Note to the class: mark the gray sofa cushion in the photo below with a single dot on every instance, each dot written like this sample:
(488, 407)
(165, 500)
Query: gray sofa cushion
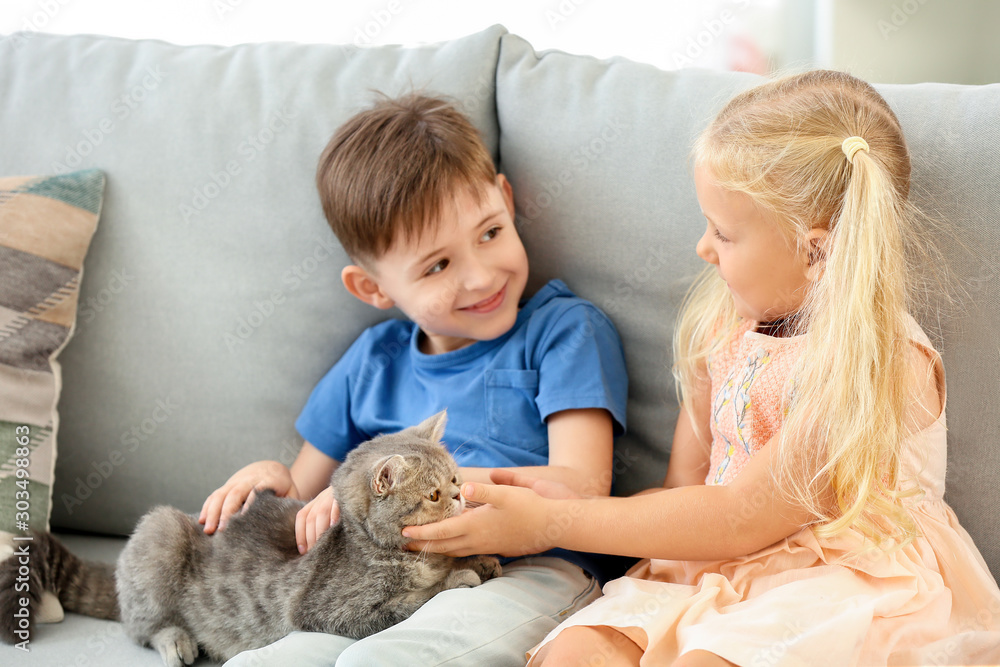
(212, 300)
(597, 153)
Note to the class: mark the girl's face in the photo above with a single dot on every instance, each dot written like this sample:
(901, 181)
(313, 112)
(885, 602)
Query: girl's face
(767, 275)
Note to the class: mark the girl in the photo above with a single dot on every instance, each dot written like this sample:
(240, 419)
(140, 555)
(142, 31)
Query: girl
(802, 519)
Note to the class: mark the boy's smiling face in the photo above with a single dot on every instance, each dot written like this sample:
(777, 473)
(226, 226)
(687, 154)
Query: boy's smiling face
(462, 280)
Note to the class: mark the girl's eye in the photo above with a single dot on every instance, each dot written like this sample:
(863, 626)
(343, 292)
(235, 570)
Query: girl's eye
(437, 268)
(434, 496)
(719, 236)
(490, 234)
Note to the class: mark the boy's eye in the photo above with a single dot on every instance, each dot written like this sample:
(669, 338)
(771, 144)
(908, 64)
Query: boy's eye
(437, 268)
(719, 236)
(434, 496)
(490, 234)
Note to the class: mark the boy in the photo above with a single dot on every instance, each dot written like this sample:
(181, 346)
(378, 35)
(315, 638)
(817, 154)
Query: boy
(414, 198)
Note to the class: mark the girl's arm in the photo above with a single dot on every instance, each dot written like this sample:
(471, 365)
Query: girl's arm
(686, 521)
(581, 447)
(691, 449)
(695, 522)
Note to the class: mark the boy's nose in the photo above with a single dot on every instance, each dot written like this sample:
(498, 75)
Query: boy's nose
(477, 276)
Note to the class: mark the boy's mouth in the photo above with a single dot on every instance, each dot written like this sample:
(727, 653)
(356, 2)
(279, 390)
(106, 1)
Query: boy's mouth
(489, 304)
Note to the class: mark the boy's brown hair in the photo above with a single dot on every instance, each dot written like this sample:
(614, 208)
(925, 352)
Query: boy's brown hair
(387, 171)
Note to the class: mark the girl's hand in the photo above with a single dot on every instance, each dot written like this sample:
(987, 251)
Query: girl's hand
(543, 487)
(228, 499)
(316, 517)
(513, 521)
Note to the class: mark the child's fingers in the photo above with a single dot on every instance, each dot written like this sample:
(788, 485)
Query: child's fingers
(320, 525)
(510, 477)
(447, 529)
(211, 511)
(232, 504)
(310, 532)
(334, 513)
(492, 494)
(301, 517)
(455, 547)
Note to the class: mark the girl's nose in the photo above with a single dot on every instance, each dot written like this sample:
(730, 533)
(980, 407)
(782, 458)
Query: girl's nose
(705, 249)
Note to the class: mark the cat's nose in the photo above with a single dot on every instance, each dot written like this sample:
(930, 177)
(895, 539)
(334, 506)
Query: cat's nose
(457, 496)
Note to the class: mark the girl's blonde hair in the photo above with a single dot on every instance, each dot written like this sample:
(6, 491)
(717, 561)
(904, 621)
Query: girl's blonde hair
(781, 144)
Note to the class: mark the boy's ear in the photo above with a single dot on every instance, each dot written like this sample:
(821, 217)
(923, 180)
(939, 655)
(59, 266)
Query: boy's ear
(508, 193)
(362, 285)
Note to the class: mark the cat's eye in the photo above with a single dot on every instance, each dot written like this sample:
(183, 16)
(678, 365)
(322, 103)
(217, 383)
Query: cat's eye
(434, 496)
(454, 480)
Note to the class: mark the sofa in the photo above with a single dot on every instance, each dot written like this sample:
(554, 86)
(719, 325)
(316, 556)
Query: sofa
(210, 301)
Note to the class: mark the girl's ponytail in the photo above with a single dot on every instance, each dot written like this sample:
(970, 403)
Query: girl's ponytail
(855, 367)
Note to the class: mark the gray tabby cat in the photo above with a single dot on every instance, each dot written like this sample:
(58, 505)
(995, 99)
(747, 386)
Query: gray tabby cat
(247, 586)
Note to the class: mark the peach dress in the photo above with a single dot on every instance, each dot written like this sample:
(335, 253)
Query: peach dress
(808, 600)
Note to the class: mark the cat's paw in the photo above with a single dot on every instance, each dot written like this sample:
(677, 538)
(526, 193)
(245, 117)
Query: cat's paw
(462, 579)
(175, 646)
(487, 567)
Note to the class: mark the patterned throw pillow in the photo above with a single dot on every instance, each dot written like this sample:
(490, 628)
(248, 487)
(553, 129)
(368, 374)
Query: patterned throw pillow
(46, 223)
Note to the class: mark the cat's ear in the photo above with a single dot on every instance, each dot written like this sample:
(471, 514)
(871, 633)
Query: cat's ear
(432, 428)
(387, 473)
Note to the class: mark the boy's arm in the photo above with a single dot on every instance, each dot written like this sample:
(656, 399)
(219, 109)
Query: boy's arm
(311, 471)
(580, 453)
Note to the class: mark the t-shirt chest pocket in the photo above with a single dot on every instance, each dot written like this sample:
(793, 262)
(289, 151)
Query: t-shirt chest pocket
(511, 412)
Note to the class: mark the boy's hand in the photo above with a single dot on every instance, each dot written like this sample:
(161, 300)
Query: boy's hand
(228, 499)
(315, 518)
(513, 521)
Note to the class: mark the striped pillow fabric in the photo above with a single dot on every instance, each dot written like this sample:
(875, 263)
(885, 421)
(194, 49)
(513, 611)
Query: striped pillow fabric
(46, 223)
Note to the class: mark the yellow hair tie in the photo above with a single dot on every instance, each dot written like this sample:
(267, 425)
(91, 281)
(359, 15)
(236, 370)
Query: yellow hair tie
(852, 145)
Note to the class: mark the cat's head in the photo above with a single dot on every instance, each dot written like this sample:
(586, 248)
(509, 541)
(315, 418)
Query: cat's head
(400, 479)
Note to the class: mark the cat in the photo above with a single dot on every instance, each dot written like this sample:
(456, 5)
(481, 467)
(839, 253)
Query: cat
(248, 586)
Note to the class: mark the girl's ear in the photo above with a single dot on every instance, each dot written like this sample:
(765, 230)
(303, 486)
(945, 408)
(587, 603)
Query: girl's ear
(814, 248)
(363, 285)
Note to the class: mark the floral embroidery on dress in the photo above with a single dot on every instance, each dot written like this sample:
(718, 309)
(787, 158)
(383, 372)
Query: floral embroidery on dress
(736, 392)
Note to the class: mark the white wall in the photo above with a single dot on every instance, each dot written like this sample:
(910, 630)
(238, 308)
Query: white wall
(668, 33)
(882, 40)
(909, 41)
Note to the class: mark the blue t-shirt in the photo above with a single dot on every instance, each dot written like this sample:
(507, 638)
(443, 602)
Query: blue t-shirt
(561, 354)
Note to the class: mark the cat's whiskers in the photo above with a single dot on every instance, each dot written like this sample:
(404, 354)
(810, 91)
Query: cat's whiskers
(423, 553)
(458, 449)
